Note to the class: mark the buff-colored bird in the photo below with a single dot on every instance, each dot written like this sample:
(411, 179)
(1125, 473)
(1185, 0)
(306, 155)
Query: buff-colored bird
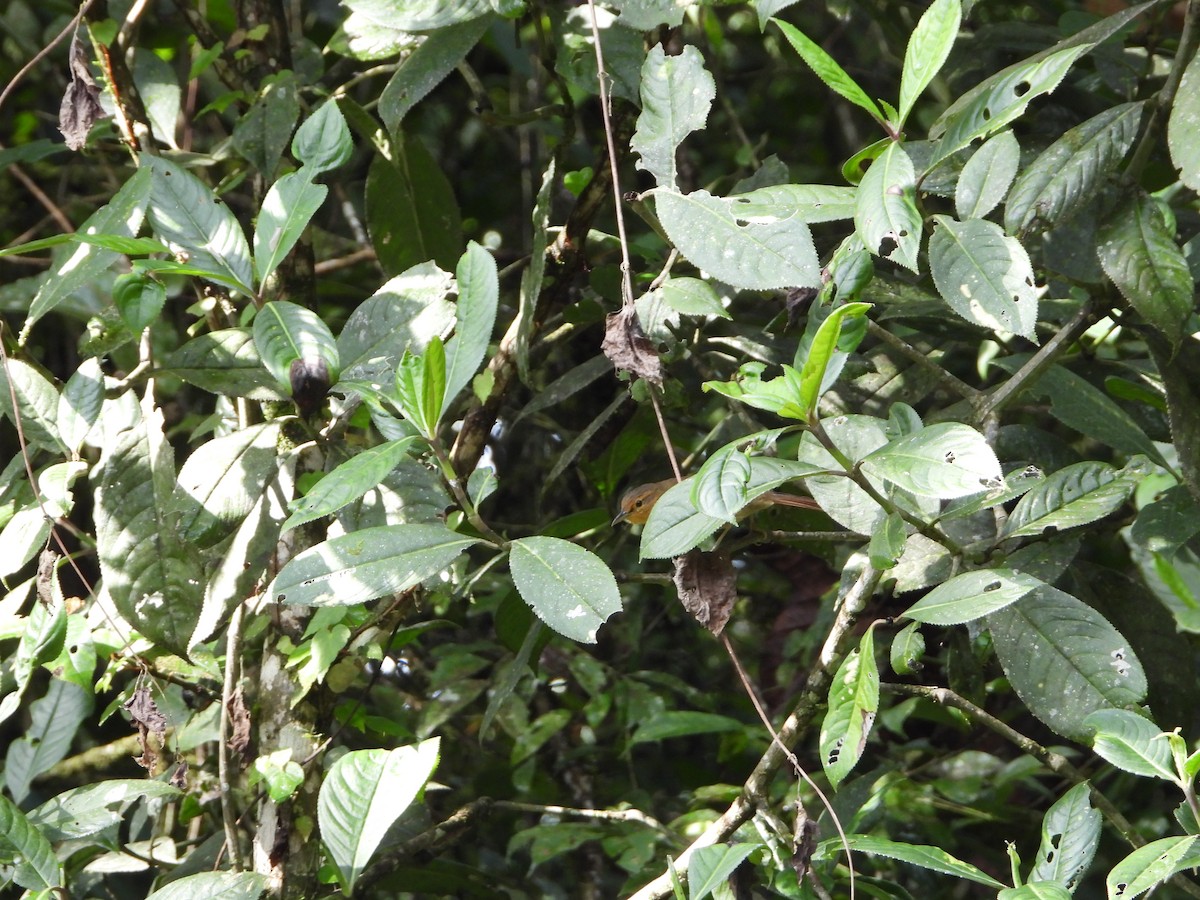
(637, 502)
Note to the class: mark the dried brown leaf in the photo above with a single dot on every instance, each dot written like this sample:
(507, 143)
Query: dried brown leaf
(628, 347)
(239, 719)
(707, 586)
(80, 106)
(144, 711)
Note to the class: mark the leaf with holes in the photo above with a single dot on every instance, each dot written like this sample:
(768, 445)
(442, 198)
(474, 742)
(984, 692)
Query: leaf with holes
(571, 589)
(811, 203)
(984, 275)
(1076, 495)
(947, 460)
(1151, 865)
(710, 233)
(853, 703)
(885, 212)
(971, 596)
(677, 93)
(1070, 835)
(1064, 660)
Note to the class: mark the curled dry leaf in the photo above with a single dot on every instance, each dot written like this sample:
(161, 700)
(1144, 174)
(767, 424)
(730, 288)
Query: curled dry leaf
(239, 720)
(707, 587)
(628, 347)
(179, 778)
(81, 103)
(145, 713)
(804, 842)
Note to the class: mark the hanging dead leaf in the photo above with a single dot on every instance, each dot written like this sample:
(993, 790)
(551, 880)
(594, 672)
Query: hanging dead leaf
(179, 778)
(80, 106)
(707, 587)
(239, 720)
(148, 719)
(47, 577)
(310, 384)
(628, 347)
(804, 842)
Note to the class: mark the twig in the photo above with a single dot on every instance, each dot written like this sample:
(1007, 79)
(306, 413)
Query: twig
(610, 815)
(60, 218)
(326, 266)
(233, 656)
(44, 52)
(911, 353)
(811, 699)
(666, 435)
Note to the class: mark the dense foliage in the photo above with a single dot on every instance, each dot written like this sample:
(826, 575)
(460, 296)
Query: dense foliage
(335, 334)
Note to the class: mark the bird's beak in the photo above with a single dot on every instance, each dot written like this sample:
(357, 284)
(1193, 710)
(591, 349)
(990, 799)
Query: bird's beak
(617, 519)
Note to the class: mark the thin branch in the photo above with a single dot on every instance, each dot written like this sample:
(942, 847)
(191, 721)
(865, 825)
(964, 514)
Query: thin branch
(233, 656)
(923, 362)
(44, 52)
(608, 815)
(666, 435)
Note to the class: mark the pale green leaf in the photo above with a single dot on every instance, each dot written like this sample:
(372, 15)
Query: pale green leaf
(885, 211)
(1132, 743)
(933, 858)
(475, 317)
(571, 589)
(682, 723)
(285, 332)
(811, 203)
(710, 867)
(853, 703)
(677, 93)
(323, 142)
(825, 68)
(226, 885)
(1184, 125)
(363, 794)
(419, 15)
(348, 482)
(947, 460)
(37, 400)
(363, 565)
(47, 737)
(1070, 835)
(287, 209)
(986, 177)
(927, 51)
(907, 650)
(971, 595)
(85, 811)
(224, 362)
(1150, 865)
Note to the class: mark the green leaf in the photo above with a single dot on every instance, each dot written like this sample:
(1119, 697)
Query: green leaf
(186, 216)
(80, 403)
(323, 142)
(1167, 523)
(403, 315)
(426, 67)
(221, 481)
(1066, 177)
(1076, 495)
(139, 299)
(37, 400)
(1070, 835)
(908, 647)
(675, 526)
(368, 563)
(47, 737)
(933, 858)
(885, 210)
(475, 317)
(984, 275)
(41, 640)
(348, 482)
(682, 723)
(1064, 660)
(927, 51)
(121, 216)
(1150, 865)
(853, 703)
(226, 885)
(262, 134)
(887, 543)
(710, 867)
(677, 93)
(710, 233)
(533, 276)
(150, 570)
(825, 68)
(1132, 743)
(1000, 99)
(1183, 125)
(782, 395)
(571, 589)
(1138, 252)
(363, 794)
(811, 203)
(947, 460)
(86, 811)
(287, 209)
(285, 332)
(160, 94)
(35, 867)
(420, 15)
(971, 595)
(692, 297)
(412, 215)
(730, 479)
(421, 388)
(824, 345)
(1036, 890)
(224, 362)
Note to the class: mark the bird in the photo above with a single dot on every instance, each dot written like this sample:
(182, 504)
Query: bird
(637, 502)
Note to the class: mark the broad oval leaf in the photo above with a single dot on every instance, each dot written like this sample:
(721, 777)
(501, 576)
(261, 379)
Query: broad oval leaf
(185, 215)
(85, 811)
(35, 867)
(323, 142)
(984, 275)
(853, 703)
(1138, 252)
(947, 460)
(1150, 865)
(1074, 496)
(37, 400)
(363, 794)
(1070, 835)
(675, 525)
(885, 211)
(286, 211)
(986, 177)
(677, 93)
(1132, 743)
(420, 15)
(928, 48)
(1068, 174)
(971, 596)
(1064, 660)
(226, 885)
(908, 647)
(54, 719)
(363, 565)
(709, 232)
(692, 297)
(730, 480)
(1183, 126)
(571, 589)
(285, 332)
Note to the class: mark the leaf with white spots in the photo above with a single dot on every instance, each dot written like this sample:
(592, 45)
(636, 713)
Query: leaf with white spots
(947, 460)
(853, 703)
(885, 213)
(571, 589)
(984, 275)
(677, 93)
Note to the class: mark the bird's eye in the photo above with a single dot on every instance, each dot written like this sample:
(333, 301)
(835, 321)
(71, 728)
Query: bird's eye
(639, 503)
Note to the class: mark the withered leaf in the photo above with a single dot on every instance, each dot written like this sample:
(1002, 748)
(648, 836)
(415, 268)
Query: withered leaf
(80, 106)
(707, 587)
(239, 718)
(144, 711)
(47, 574)
(804, 842)
(179, 778)
(310, 384)
(627, 346)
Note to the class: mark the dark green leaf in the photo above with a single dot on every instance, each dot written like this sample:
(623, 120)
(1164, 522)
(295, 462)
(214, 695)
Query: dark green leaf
(426, 66)
(139, 299)
(323, 142)
(263, 132)
(224, 362)
(35, 866)
(1074, 496)
(683, 723)
(571, 589)
(986, 177)
(287, 209)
